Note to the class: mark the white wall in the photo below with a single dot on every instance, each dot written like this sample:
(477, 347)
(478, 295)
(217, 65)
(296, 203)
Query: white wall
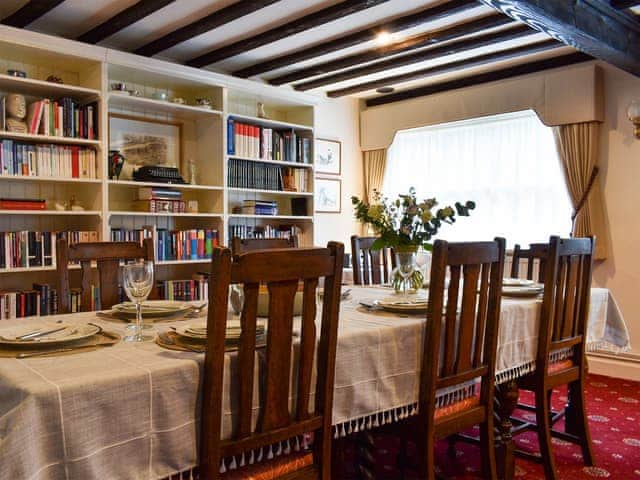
(338, 119)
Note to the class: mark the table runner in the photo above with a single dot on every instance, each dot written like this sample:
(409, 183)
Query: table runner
(131, 411)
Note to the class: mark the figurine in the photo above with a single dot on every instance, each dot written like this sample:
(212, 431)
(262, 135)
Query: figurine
(261, 112)
(54, 79)
(116, 162)
(16, 112)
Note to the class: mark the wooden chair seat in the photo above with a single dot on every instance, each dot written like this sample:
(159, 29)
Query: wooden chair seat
(560, 366)
(457, 407)
(272, 469)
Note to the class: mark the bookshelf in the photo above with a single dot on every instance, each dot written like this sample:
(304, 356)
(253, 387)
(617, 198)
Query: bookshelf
(112, 203)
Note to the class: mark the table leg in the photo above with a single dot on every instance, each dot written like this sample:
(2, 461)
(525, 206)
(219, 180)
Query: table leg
(506, 402)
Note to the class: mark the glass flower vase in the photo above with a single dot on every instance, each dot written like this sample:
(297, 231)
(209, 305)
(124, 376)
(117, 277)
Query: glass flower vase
(407, 277)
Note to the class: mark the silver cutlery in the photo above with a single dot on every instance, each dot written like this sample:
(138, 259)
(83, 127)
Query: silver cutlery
(39, 333)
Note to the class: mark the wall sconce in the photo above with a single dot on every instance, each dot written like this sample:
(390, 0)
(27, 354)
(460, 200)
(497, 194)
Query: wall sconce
(633, 112)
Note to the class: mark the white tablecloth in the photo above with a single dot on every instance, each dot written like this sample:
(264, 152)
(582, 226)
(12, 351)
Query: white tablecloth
(131, 411)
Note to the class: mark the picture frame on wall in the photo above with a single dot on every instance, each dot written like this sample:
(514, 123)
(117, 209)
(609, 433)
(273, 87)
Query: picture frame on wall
(328, 155)
(328, 194)
(143, 141)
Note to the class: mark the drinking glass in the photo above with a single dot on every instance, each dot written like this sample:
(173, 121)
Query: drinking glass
(137, 280)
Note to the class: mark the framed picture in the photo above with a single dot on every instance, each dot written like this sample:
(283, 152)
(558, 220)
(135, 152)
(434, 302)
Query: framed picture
(328, 194)
(144, 141)
(328, 156)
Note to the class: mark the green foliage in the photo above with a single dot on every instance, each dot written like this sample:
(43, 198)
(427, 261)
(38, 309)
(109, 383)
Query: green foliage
(405, 222)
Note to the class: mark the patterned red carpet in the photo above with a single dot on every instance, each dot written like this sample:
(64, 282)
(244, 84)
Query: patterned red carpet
(614, 413)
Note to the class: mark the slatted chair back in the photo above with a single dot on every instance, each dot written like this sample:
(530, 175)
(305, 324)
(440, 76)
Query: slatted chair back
(280, 270)
(535, 255)
(461, 333)
(370, 267)
(243, 245)
(107, 256)
(565, 305)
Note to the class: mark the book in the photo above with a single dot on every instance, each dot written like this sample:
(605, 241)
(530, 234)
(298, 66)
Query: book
(34, 114)
(148, 193)
(21, 204)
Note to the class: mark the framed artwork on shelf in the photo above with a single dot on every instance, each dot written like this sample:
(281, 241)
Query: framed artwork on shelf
(328, 156)
(327, 195)
(142, 141)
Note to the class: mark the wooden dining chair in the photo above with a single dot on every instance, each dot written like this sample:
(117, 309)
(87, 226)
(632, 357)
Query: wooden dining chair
(535, 255)
(107, 256)
(459, 349)
(277, 424)
(370, 267)
(560, 359)
(243, 245)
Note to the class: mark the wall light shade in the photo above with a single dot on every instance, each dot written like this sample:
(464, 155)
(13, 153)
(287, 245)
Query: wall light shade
(633, 112)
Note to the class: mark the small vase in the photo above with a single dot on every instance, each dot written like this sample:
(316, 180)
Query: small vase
(407, 276)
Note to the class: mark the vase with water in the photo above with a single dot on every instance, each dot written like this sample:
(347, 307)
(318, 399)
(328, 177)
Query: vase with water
(407, 276)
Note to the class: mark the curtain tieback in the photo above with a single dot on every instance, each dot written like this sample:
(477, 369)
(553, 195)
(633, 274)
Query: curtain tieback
(585, 195)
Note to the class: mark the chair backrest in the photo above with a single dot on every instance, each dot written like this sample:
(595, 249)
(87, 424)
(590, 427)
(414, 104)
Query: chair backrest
(243, 245)
(107, 256)
(280, 270)
(535, 254)
(460, 345)
(567, 292)
(370, 267)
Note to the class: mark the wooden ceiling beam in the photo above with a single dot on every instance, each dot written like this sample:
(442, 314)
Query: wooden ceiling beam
(123, 19)
(622, 4)
(413, 43)
(449, 48)
(592, 26)
(412, 20)
(478, 79)
(203, 25)
(30, 12)
(306, 22)
(480, 60)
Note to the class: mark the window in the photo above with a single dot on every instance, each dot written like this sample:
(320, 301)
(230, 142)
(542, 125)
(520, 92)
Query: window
(507, 164)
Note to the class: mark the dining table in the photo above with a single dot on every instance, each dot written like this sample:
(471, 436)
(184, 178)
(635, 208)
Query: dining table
(131, 410)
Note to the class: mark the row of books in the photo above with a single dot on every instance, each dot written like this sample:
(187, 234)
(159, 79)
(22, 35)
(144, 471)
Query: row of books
(196, 288)
(259, 207)
(264, 231)
(42, 300)
(26, 249)
(193, 244)
(246, 174)
(22, 204)
(64, 117)
(47, 160)
(253, 141)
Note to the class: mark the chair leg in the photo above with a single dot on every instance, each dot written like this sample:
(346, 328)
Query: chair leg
(488, 450)
(426, 459)
(544, 434)
(576, 421)
(402, 457)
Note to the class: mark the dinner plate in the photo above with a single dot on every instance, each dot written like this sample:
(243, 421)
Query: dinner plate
(153, 308)
(517, 282)
(199, 330)
(403, 306)
(68, 333)
(522, 291)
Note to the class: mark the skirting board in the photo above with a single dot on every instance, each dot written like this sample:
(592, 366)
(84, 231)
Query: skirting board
(628, 369)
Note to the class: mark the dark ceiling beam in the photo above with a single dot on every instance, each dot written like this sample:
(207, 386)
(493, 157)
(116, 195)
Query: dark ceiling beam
(30, 12)
(413, 43)
(307, 22)
(478, 79)
(449, 48)
(412, 20)
(592, 26)
(622, 4)
(123, 19)
(203, 25)
(480, 60)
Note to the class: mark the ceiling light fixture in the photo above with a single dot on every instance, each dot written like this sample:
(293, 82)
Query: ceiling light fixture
(385, 89)
(633, 112)
(383, 38)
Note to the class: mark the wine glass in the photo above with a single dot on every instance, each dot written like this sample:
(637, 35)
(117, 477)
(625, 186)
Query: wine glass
(137, 280)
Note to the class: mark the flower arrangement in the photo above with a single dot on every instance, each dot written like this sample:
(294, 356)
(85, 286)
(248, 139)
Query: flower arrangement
(406, 224)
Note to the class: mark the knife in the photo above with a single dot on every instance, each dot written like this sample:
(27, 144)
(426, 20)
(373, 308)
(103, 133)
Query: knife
(39, 333)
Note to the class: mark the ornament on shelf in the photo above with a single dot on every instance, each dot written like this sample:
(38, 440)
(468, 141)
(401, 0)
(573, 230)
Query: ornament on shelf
(17, 73)
(16, 113)
(54, 79)
(116, 162)
(261, 112)
(192, 173)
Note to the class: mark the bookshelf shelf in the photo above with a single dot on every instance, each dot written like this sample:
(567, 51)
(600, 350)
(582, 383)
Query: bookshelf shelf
(29, 86)
(271, 192)
(265, 122)
(177, 186)
(48, 268)
(149, 105)
(25, 178)
(72, 213)
(28, 137)
(275, 217)
(163, 214)
(273, 162)
(183, 262)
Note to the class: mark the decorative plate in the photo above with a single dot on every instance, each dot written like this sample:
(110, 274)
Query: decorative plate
(67, 333)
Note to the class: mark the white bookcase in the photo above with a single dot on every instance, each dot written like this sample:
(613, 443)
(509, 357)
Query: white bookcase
(88, 73)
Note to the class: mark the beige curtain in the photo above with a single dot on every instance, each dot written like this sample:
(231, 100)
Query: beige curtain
(373, 165)
(577, 146)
